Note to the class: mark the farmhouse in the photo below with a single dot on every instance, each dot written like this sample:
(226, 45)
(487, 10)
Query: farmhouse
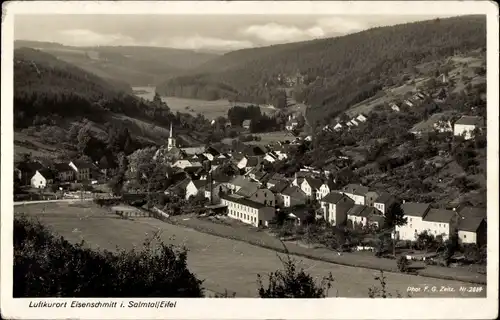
(26, 170)
(248, 211)
(472, 230)
(383, 202)
(82, 169)
(362, 216)
(356, 192)
(466, 125)
(335, 206)
(311, 186)
(42, 178)
(293, 196)
(194, 187)
(64, 172)
(415, 213)
(246, 124)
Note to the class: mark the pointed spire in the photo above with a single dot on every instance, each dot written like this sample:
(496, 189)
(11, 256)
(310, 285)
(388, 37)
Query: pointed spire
(171, 130)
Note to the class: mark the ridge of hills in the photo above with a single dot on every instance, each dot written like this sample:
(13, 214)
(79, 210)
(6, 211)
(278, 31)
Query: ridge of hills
(51, 95)
(329, 75)
(138, 65)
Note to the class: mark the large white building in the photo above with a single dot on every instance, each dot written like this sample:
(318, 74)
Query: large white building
(248, 211)
(466, 125)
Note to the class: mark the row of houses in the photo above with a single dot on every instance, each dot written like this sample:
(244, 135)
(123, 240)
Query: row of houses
(38, 175)
(464, 127)
(360, 118)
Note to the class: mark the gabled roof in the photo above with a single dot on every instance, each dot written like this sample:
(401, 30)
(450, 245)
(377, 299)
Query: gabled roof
(313, 182)
(385, 198)
(361, 211)
(200, 184)
(470, 224)
(356, 189)
(329, 183)
(472, 212)
(82, 164)
(46, 173)
(280, 186)
(240, 181)
(248, 190)
(415, 209)
(470, 120)
(62, 167)
(439, 215)
(335, 197)
(294, 192)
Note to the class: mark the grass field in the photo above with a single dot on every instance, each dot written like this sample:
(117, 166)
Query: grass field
(223, 263)
(209, 109)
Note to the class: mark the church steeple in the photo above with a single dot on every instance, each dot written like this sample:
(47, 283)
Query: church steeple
(171, 139)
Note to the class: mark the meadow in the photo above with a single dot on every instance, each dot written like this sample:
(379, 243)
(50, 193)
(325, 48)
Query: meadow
(223, 263)
(209, 109)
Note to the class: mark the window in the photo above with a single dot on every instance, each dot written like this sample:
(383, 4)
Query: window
(465, 236)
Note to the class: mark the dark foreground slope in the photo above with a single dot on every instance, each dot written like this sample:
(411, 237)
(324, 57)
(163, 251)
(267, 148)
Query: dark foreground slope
(338, 72)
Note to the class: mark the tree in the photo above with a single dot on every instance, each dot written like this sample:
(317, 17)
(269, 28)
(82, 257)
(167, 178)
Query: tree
(292, 282)
(403, 264)
(395, 216)
(49, 266)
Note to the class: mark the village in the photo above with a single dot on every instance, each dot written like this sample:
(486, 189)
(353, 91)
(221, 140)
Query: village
(242, 185)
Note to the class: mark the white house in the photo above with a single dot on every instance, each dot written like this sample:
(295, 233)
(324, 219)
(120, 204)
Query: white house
(337, 127)
(194, 187)
(182, 163)
(409, 103)
(271, 157)
(311, 186)
(361, 118)
(421, 217)
(395, 107)
(335, 207)
(292, 196)
(41, 179)
(248, 211)
(466, 125)
(248, 162)
(472, 230)
(354, 122)
(325, 189)
(349, 123)
(383, 202)
(356, 192)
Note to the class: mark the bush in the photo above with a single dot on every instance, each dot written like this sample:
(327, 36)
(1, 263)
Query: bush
(47, 266)
(403, 264)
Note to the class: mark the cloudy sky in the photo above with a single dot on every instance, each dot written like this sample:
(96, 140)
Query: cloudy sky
(209, 32)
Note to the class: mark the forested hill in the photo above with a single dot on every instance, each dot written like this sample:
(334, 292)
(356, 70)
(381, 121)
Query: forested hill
(337, 72)
(138, 66)
(46, 87)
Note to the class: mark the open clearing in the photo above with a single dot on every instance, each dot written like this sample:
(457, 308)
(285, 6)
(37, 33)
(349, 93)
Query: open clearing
(223, 263)
(209, 109)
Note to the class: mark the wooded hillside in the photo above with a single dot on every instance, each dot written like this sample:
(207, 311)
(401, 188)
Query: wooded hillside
(337, 72)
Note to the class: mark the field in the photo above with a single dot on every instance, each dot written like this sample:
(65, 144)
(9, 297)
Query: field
(209, 109)
(223, 263)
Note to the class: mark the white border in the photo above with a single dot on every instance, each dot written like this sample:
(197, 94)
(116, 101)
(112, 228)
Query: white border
(344, 308)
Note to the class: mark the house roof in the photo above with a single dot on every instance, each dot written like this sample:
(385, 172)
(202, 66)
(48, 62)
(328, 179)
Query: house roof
(193, 150)
(428, 125)
(415, 209)
(252, 161)
(243, 201)
(62, 167)
(385, 198)
(248, 189)
(240, 181)
(439, 215)
(361, 210)
(192, 170)
(280, 186)
(470, 224)
(293, 192)
(356, 189)
(329, 183)
(470, 120)
(46, 173)
(82, 164)
(200, 184)
(334, 197)
(472, 212)
(313, 182)
(181, 184)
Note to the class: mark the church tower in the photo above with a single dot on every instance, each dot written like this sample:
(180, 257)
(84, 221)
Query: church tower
(171, 139)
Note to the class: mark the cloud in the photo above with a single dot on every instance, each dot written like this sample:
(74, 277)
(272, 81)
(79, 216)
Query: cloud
(272, 32)
(199, 42)
(85, 37)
